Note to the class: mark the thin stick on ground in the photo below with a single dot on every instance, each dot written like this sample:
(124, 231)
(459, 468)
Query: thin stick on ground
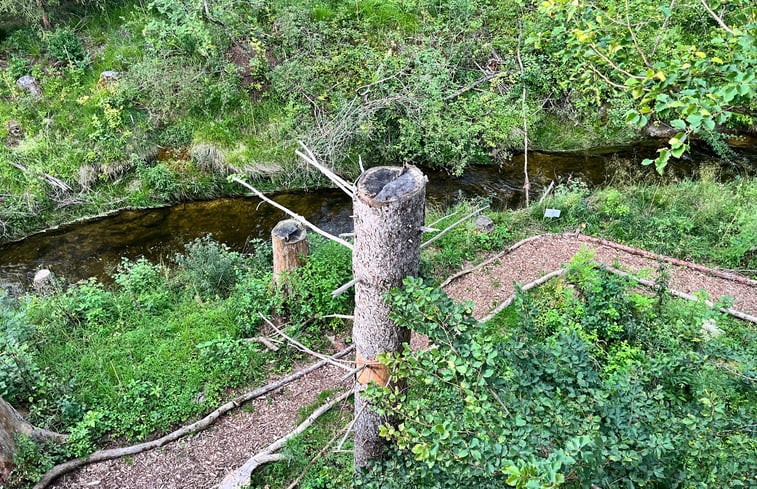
(103, 455)
(294, 215)
(320, 454)
(494, 258)
(452, 226)
(304, 348)
(241, 477)
(674, 261)
(528, 286)
(683, 295)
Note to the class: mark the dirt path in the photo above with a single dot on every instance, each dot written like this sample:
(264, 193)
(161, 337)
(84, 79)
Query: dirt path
(202, 460)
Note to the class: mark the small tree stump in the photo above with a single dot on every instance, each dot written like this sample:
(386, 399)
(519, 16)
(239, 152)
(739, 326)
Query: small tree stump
(290, 248)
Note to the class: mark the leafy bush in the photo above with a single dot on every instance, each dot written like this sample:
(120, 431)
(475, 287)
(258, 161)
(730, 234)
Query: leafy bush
(64, 46)
(18, 370)
(209, 267)
(552, 396)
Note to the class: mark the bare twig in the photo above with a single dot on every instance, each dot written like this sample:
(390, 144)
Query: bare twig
(607, 80)
(292, 214)
(613, 65)
(633, 37)
(717, 18)
(103, 455)
(526, 183)
(445, 217)
(309, 158)
(241, 477)
(683, 295)
(546, 192)
(472, 85)
(663, 28)
(344, 288)
(320, 454)
(451, 226)
(304, 348)
(528, 286)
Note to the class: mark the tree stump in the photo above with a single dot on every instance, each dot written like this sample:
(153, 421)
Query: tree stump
(290, 248)
(389, 210)
(11, 424)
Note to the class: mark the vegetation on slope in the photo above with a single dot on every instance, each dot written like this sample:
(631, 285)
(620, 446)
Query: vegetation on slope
(207, 88)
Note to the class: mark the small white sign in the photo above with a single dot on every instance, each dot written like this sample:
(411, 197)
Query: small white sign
(551, 212)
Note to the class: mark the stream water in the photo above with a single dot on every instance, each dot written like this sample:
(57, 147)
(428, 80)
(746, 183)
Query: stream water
(95, 247)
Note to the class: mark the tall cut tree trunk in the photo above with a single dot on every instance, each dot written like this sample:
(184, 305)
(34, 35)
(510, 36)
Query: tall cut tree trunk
(389, 208)
(11, 424)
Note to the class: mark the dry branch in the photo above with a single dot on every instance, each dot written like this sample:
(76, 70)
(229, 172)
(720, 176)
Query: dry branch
(343, 288)
(673, 261)
(526, 182)
(683, 295)
(492, 259)
(103, 455)
(717, 18)
(528, 286)
(310, 159)
(292, 214)
(304, 348)
(451, 226)
(241, 476)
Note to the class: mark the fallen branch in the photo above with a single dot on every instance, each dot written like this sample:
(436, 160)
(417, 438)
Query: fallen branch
(451, 226)
(492, 259)
(546, 193)
(310, 159)
(528, 286)
(292, 214)
(103, 455)
(717, 18)
(343, 288)
(674, 261)
(320, 454)
(304, 348)
(683, 295)
(241, 477)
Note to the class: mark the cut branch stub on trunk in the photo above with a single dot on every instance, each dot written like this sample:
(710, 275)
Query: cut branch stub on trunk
(290, 248)
(389, 207)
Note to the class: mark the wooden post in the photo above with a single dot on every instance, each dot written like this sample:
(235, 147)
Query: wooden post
(389, 208)
(290, 248)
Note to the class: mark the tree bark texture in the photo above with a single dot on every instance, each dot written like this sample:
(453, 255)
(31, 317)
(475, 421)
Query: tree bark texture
(290, 247)
(11, 423)
(389, 209)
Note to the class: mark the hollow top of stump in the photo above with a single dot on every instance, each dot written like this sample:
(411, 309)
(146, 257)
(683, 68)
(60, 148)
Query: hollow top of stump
(289, 230)
(381, 185)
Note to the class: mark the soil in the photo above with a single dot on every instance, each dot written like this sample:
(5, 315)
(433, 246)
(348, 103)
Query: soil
(202, 460)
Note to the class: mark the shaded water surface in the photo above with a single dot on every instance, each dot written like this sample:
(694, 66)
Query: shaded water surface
(95, 247)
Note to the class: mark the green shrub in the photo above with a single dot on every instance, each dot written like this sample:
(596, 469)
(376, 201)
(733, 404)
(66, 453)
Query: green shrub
(585, 386)
(64, 46)
(209, 267)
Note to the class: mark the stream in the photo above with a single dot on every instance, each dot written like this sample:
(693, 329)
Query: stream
(95, 247)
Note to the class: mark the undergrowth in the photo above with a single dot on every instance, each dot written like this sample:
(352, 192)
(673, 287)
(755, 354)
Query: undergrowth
(162, 345)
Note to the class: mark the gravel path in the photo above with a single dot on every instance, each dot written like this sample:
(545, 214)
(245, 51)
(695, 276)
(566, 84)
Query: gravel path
(202, 460)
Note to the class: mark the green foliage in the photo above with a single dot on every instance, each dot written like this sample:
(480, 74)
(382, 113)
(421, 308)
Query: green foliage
(19, 372)
(584, 385)
(65, 47)
(693, 76)
(210, 267)
(31, 461)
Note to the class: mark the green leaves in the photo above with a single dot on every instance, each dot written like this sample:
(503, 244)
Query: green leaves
(584, 382)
